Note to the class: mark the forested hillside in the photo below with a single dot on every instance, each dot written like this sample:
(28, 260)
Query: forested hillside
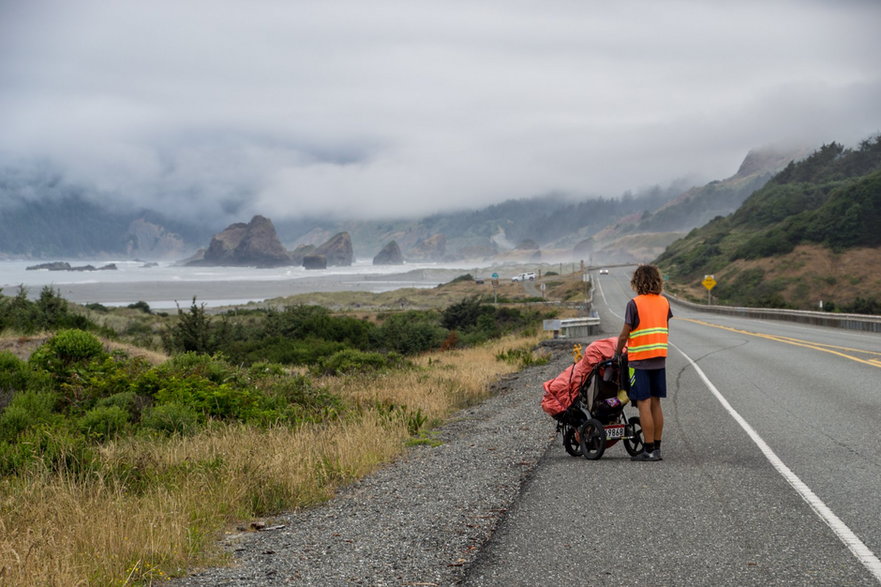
(42, 216)
(826, 209)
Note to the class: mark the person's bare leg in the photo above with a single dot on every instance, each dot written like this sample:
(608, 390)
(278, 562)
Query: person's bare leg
(657, 418)
(646, 420)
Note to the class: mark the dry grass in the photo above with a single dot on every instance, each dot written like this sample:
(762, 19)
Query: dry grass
(810, 273)
(155, 508)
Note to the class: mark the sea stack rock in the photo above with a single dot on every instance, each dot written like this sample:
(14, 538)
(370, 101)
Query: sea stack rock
(315, 262)
(389, 255)
(255, 243)
(145, 239)
(337, 250)
(433, 248)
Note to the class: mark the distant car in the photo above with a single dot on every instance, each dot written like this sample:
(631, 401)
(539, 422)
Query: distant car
(604, 271)
(524, 276)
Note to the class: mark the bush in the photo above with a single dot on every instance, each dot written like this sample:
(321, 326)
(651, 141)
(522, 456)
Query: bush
(195, 332)
(354, 361)
(27, 410)
(125, 400)
(60, 450)
(103, 422)
(288, 352)
(301, 399)
(213, 368)
(142, 306)
(171, 418)
(14, 373)
(410, 333)
(65, 350)
(523, 357)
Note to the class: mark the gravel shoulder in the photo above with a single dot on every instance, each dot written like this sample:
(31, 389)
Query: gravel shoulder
(420, 520)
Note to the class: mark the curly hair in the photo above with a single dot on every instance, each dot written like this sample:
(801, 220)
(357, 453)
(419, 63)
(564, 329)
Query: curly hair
(647, 280)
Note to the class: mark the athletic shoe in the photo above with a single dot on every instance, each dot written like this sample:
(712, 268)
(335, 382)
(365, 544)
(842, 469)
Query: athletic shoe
(647, 456)
(657, 453)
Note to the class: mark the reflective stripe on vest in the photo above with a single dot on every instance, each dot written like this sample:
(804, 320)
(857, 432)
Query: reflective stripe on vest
(649, 339)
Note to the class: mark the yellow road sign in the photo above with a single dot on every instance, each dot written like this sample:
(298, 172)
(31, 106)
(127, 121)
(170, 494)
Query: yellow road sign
(709, 282)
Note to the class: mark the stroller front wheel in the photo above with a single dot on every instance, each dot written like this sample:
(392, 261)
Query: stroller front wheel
(635, 443)
(593, 439)
(570, 443)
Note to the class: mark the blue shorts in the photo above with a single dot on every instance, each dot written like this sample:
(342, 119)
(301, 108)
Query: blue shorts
(648, 383)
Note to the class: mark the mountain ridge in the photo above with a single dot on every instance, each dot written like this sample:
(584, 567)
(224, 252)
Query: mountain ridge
(35, 227)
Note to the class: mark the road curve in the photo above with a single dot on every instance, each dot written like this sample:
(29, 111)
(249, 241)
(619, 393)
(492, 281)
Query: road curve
(770, 471)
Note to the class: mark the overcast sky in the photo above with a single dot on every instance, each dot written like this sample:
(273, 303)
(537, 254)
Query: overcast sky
(398, 108)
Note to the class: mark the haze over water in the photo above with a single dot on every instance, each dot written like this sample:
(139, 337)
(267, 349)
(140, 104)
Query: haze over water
(166, 285)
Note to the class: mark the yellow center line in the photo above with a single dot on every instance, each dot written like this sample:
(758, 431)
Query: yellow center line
(825, 348)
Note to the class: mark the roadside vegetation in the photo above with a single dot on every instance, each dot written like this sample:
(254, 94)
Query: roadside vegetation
(810, 234)
(124, 465)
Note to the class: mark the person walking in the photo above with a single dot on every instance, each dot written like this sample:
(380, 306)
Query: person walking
(645, 334)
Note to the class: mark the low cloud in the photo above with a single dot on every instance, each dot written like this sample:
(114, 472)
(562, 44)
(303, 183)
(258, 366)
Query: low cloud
(399, 108)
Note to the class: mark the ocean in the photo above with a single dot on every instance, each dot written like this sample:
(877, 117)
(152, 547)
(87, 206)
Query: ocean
(165, 285)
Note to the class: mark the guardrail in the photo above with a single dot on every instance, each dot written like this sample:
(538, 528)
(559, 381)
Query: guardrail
(573, 327)
(862, 322)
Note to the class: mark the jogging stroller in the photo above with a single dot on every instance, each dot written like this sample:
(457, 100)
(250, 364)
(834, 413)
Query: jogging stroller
(596, 420)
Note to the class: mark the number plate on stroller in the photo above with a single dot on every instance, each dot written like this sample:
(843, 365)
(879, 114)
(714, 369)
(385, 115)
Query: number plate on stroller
(614, 431)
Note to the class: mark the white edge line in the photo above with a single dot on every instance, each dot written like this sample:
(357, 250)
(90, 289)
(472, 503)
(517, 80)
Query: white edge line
(845, 534)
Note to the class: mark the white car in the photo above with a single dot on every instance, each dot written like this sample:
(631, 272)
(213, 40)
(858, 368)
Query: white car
(524, 276)
(604, 271)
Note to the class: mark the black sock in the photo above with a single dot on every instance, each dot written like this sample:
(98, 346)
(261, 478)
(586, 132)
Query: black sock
(649, 446)
(657, 445)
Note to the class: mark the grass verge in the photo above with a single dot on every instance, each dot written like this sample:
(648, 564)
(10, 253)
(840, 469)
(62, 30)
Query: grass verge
(154, 507)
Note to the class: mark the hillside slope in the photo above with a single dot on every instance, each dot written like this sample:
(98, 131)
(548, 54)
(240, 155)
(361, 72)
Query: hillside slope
(812, 233)
(645, 234)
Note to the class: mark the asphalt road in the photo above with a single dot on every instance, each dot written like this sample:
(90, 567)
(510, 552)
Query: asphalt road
(771, 469)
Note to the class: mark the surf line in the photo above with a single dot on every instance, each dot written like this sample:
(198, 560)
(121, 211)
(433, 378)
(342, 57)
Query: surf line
(824, 348)
(845, 534)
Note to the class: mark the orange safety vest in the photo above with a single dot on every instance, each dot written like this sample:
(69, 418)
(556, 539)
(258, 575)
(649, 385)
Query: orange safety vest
(649, 339)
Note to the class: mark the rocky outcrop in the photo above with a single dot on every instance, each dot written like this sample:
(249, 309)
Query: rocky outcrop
(315, 262)
(300, 253)
(51, 266)
(338, 250)
(65, 266)
(145, 239)
(432, 248)
(255, 243)
(389, 255)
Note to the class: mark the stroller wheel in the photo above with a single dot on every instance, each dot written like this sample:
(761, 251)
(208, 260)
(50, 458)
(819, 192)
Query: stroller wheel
(572, 446)
(635, 443)
(593, 439)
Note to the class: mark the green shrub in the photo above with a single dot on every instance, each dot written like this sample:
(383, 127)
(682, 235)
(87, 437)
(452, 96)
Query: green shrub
(354, 361)
(411, 332)
(103, 422)
(289, 351)
(301, 400)
(211, 367)
(523, 357)
(129, 401)
(142, 306)
(27, 410)
(14, 373)
(58, 449)
(195, 331)
(171, 418)
(263, 369)
(13, 421)
(315, 322)
(65, 350)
